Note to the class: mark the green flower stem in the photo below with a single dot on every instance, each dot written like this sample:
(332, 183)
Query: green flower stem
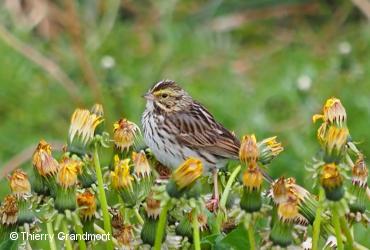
(58, 221)
(252, 241)
(317, 222)
(79, 231)
(102, 197)
(100, 230)
(196, 237)
(138, 216)
(336, 224)
(248, 223)
(27, 229)
(49, 228)
(68, 243)
(229, 183)
(224, 196)
(347, 232)
(161, 226)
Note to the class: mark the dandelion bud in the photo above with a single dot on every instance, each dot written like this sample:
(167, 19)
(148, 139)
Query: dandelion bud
(121, 177)
(87, 203)
(68, 173)
(279, 191)
(153, 209)
(332, 182)
(281, 233)
(268, 149)
(82, 130)
(251, 201)
(124, 134)
(67, 179)
(21, 188)
(9, 211)
(184, 177)
(335, 139)
(19, 183)
(43, 161)
(333, 112)
(359, 186)
(87, 176)
(141, 165)
(123, 182)
(248, 152)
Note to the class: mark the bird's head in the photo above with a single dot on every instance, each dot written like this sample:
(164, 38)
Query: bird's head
(167, 96)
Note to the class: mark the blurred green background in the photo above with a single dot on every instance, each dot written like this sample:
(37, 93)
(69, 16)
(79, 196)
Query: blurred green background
(260, 66)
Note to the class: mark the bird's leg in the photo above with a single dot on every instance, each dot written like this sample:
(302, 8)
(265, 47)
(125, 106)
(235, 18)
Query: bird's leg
(213, 203)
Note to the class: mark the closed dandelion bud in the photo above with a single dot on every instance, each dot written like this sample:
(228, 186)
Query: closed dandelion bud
(142, 171)
(19, 183)
(359, 186)
(251, 200)
(333, 113)
(124, 134)
(332, 182)
(21, 188)
(184, 178)
(268, 149)
(87, 207)
(248, 152)
(87, 204)
(67, 179)
(123, 182)
(153, 209)
(45, 169)
(335, 140)
(82, 130)
(281, 233)
(98, 110)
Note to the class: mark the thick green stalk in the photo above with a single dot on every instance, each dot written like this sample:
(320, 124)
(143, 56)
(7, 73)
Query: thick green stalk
(224, 196)
(102, 197)
(336, 224)
(317, 222)
(347, 232)
(196, 237)
(229, 183)
(252, 241)
(68, 243)
(79, 231)
(49, 228)
(161, 226)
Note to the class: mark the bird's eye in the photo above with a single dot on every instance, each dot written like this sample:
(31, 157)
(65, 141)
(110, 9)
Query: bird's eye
(164, 95)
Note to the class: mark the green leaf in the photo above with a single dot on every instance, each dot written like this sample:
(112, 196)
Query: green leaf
(236, 239)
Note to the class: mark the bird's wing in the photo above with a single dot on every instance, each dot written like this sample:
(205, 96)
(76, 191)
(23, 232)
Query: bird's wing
(198, 130)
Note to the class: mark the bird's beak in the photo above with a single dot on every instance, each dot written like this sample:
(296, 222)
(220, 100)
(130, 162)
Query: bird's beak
(149, 96)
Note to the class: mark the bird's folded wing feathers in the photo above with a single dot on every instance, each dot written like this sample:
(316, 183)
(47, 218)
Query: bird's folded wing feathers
(200, 131)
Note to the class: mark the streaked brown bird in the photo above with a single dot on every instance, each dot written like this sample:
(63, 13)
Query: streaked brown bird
(177, 127)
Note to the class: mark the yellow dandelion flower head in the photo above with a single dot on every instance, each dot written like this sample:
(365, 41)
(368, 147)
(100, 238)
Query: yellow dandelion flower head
(19, 183)
(70, 168)
(86, 201)
(43, 160)
(288, 211)
(121, 177)
(188, 172)
(333, 112)
(252, 178)
(124, 134)
(330, 176)
(83, 125)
